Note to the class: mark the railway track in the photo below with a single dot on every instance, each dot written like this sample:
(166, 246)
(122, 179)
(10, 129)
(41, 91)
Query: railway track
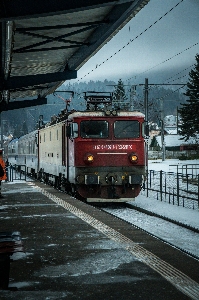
(149, 213)
(126, 210)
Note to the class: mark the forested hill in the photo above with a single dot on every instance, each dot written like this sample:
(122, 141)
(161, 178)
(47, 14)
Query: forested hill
(22, 121)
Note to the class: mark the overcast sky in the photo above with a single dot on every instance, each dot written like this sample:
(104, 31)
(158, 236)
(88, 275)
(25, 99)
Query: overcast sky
(174, 33)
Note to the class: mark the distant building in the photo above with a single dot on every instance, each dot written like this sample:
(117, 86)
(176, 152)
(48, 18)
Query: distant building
(170, 121)
(174, 142)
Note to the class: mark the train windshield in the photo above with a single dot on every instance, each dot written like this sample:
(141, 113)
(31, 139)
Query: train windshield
(94, 129)
(126, 129)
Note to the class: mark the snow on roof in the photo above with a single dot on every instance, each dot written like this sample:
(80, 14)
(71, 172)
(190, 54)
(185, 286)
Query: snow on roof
(174, 140)
(171, 131)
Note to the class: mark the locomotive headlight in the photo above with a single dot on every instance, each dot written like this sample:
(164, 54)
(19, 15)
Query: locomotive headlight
(89, 158)
(133, 158)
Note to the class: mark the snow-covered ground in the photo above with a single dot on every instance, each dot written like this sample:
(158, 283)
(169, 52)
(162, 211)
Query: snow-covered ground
(169, 165)
(174, 234)
(178, 213)
(184, 215)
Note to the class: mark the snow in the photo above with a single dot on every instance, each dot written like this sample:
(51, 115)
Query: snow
(169, 164)
(174, 234)
(173, 140)
(179, 213)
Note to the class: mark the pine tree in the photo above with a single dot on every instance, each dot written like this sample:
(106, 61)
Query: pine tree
(189, 111)
(119, 96)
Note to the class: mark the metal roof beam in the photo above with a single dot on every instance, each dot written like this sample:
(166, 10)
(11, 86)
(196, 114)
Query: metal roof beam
(39, 88)
(22, 104)
(18, 82)
(14, 9)
(50, 48)
(50, 27)
(52, 39)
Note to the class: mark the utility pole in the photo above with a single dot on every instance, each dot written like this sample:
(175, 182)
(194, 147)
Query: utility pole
(146, 92)
(177, 120)
(162, 129)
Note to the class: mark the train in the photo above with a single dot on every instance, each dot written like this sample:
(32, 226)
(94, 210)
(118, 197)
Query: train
(97, 154)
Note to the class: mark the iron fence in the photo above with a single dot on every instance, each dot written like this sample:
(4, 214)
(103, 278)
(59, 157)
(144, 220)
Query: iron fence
(178, 188)
(16, 172)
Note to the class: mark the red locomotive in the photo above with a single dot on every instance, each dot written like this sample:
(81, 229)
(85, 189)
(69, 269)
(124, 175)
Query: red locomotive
(98, 155)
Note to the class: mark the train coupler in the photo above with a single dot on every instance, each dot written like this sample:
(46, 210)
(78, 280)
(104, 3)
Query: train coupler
(111, 190)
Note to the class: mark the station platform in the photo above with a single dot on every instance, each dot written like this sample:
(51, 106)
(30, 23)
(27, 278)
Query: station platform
(65, 257)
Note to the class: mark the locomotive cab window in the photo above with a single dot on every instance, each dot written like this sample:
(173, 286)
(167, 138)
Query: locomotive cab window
(94, 129)
(126, 129)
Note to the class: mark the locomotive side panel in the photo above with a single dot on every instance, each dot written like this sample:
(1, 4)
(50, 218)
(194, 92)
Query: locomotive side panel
(51, 145)
(71, 162)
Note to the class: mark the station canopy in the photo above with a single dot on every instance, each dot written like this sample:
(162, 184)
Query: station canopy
(45, 42)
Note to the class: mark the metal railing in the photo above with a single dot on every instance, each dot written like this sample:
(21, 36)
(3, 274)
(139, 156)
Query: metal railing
(177, 188)
(16, 172)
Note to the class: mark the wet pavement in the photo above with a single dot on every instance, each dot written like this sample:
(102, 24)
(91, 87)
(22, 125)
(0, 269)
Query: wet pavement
(66, 258)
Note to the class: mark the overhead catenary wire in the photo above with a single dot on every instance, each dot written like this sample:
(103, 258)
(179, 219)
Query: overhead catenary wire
(166, 60)
(188, 68)
(132, 40)
(168, 80)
